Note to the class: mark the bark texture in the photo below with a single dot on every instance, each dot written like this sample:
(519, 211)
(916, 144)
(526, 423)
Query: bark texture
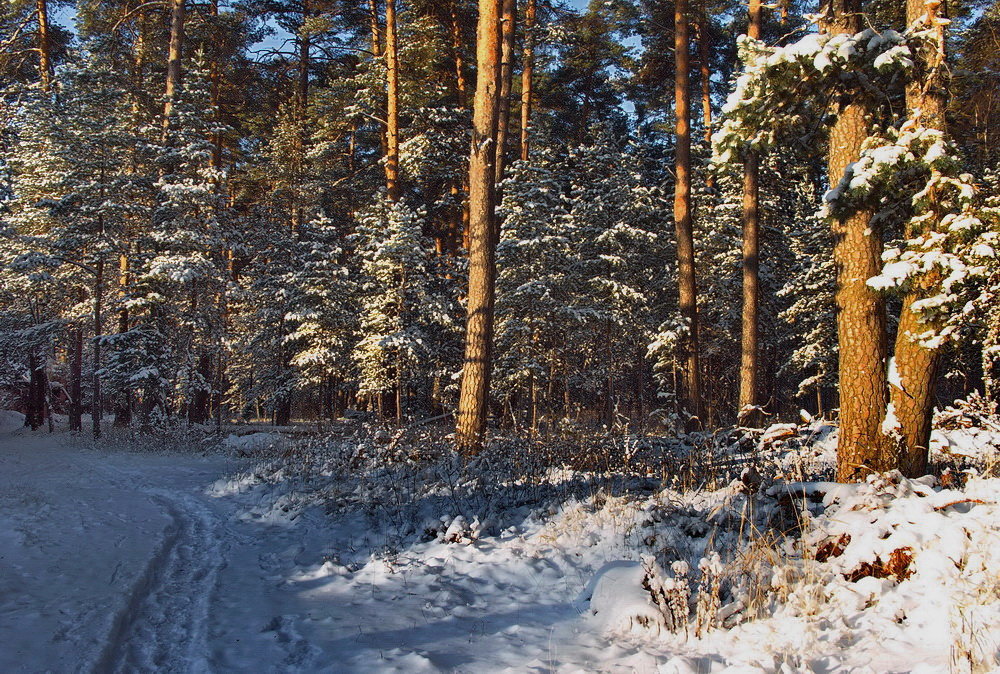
(461, 88)
(44, 50)
(688, 290)
(96, 403)
(916, 365)
(473, 399)
(507, 26)
(392, 107)
(175, 53)
(527, 74)
(749, 349)
(76, 381)
(861, 328)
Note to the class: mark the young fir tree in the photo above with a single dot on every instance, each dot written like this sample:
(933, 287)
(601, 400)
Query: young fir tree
(402, 314)
(75, 192)
(181, 277)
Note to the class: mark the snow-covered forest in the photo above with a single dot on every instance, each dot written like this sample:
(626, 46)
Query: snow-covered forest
(507, 335)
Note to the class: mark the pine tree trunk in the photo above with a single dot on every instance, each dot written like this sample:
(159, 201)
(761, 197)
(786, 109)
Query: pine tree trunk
(392, 107)
(473, 402)
(917, 366)
(399, 395)
(508, 23)
(76, 381)
(138, 69)
(198, 407)
(302, 83)
(527, 73)
(461, 88)
(215, 77)
(34, 409)
(123, 404)
(704, 67)
(96, 403)
(749, 349)
(861, 328)
(376, 44)
(46, 402)
(682, 212)
(44, 48)
(283, 413)
(175, 54)
(460, 234)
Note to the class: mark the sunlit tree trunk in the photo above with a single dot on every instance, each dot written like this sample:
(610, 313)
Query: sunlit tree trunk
(508, 21)
(705, 73)
(527, 75)
(473, 402)
(392, 107)
(123, 403)
(917, 366)
(861, 329)
(376, 45)
(687, 286)
(44, 48)
(215, 77)
(461, 88)
(175, 53)
(749, 349)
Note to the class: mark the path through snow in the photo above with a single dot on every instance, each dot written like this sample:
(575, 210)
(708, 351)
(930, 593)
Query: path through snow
(130, 562)
(152, 562)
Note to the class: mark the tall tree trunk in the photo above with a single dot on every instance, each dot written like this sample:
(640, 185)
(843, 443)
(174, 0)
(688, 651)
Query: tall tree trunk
(44, 47)
(917, 366)
(473, 401)
(461, 88)
(138, 68)
(35, 408)
(527, 73)
(460, 226)
(76, 380)
(175, 53)
(302, 112)
(215, 77)
(123, 404)
(704, 68)
(96, 408)
(749, 349)
(376, 44)
(283, 412)
(861, 329)
(302, 83)
(392, 107)
(687, 286)
(508, 23)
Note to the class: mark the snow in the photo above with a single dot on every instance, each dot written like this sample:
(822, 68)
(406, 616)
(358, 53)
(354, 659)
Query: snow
(143, 561)
(10, 421)
(83, 538)
(620, 603)
(252, 442)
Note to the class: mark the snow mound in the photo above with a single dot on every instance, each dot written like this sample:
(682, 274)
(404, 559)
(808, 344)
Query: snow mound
(620, 602)
(252, 442)
(10, 421)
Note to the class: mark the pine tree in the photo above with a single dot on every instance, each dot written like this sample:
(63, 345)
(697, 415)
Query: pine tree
(402, 314)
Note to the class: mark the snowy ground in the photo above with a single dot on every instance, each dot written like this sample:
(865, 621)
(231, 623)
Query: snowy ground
(142, 561)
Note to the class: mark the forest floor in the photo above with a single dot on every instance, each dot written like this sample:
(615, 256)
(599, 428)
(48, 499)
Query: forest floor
(128, 559)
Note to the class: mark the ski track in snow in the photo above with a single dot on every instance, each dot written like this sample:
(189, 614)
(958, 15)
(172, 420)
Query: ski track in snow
(164, 626)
